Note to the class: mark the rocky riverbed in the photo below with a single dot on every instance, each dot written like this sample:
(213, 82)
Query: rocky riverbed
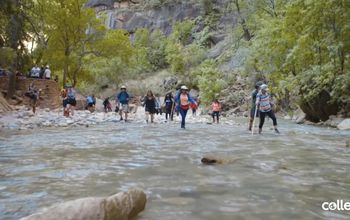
(23, 118)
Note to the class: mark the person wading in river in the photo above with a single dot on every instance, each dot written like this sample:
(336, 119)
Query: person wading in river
(264, 103)
(183, 101)
(123, 102)
(70, 100)
(169, 106)
(149, 101)
(33, 93)
(252, 110)
(216, 108)
(107, 105)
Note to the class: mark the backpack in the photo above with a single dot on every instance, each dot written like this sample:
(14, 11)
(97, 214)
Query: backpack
(71, 94)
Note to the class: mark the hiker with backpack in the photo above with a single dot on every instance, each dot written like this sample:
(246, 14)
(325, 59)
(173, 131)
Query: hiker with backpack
(90, 103)
(216, 108)
(149, 101)
(33, 93)
(70, 101)
(183, 100)
(122, 101)
(169, 106)
(264, 103)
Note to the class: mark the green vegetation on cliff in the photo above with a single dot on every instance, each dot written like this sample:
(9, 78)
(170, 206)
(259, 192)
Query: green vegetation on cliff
(301, 48)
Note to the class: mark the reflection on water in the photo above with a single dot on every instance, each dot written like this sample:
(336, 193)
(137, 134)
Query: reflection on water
(272, 177)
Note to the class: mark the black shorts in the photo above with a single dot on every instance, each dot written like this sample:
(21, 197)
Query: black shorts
(90, 104)
(151, 110)
(216, 114)
(252, 111)
(72, 102)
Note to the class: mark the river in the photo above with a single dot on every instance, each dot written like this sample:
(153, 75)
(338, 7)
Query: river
(285, 176)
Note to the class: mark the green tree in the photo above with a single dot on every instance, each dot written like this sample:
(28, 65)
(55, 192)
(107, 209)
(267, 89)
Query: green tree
(71, 29)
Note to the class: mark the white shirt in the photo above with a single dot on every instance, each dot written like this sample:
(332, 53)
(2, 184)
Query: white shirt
(47, 73)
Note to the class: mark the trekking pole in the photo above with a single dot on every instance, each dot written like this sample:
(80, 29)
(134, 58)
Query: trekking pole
(172, 110)
(256, 110)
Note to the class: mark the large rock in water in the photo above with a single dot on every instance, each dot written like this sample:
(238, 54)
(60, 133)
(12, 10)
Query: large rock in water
(319, 108)
(121, 206)
(344, 125)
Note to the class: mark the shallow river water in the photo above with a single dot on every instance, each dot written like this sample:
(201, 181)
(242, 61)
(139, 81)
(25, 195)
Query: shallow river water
(268, 176)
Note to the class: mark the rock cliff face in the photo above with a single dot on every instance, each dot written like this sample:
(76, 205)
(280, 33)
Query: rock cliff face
(132, 16)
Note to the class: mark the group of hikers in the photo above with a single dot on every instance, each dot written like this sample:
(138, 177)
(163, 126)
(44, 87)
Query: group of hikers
(262, 105)
(40, 72)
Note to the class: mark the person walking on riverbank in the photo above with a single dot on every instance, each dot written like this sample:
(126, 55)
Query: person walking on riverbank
(216, 108)
(90, 103)
(183, 100)
(149, 101)
(123, 102)
(169, 106)
(33, 93)
(264, 103)
(252, 109)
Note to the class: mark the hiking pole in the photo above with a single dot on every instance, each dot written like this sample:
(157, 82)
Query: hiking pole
(256, 110)
(172, 111)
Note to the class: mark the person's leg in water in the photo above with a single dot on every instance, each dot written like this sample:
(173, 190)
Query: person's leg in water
(262, 121)
(152, 117)
(147, 116)
(126, 112)
(183, 117)
(72, 109)
(213, 115)
(121, 112)
(271, 114)
(217, 117)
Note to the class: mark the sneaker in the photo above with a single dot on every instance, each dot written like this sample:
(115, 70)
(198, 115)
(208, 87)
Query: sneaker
(277, 131)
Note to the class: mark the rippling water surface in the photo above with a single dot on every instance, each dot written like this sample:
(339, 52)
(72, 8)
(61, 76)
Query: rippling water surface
(285, 176)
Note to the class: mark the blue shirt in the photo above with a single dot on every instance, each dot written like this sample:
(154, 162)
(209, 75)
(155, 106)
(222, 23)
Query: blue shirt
(123, 98)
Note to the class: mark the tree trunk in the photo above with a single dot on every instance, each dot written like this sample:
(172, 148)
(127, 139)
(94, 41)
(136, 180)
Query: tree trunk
(246, 33)
(11, 88)
(15, 28)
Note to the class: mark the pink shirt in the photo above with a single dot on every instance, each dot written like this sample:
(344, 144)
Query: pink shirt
(216, 107)
(184, 99)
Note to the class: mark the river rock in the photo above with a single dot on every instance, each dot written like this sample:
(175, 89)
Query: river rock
(344, 125)
(121, 206)
(299, 116)
(333, 121)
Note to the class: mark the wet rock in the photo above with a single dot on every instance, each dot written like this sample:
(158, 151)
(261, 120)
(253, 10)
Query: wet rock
(299, 116)
(333, 121)
(210, 161)
(121, 206)
(344, 125)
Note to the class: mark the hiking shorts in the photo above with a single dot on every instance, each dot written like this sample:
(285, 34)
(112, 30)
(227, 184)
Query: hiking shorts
(72, 102)
(252, 111)
(124, 108)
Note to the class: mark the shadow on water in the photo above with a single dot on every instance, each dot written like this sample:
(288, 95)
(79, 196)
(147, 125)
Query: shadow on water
(269, 176)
